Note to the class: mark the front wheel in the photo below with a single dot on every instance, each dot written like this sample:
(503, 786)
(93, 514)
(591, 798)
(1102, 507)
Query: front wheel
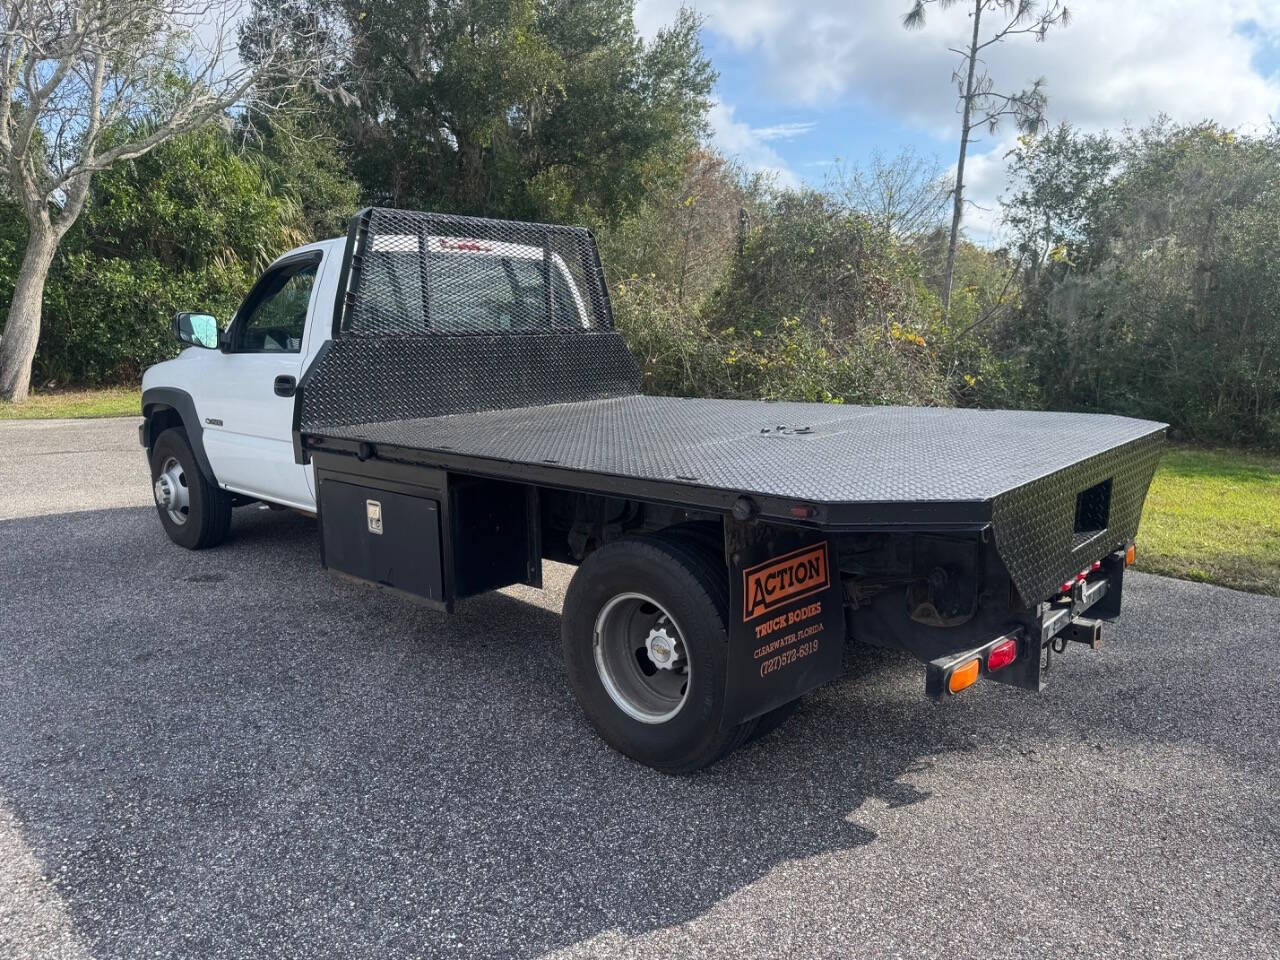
(645, 648)
(193, 510)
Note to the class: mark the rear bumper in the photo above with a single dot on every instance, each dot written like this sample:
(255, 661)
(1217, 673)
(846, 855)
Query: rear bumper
(1046, 630)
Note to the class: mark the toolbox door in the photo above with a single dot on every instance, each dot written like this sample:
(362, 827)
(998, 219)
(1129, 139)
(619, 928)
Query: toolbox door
(383, 536)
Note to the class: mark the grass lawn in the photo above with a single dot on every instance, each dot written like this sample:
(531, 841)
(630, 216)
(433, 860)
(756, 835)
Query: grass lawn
(108, 402)
(1214, 516)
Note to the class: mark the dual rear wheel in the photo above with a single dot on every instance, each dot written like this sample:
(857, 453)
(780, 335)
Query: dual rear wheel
(645, 642)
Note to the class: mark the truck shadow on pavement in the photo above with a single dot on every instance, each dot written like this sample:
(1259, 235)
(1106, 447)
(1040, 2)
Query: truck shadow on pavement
(232, 752)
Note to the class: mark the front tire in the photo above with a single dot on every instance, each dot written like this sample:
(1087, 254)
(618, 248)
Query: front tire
(645, 647)
(193, 510)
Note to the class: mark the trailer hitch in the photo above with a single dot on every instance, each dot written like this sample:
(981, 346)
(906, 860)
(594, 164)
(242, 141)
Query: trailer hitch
(1083, 630)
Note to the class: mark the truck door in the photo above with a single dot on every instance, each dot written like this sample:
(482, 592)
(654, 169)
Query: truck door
(247, 405)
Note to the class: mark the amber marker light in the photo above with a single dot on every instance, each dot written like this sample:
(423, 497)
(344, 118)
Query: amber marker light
(964, 675)
(1130, 554)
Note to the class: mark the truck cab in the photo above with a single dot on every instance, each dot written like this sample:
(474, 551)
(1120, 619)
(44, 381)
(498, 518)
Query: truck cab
(231, 391)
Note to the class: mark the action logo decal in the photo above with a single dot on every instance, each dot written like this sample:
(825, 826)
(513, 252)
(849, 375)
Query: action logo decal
(783, 579)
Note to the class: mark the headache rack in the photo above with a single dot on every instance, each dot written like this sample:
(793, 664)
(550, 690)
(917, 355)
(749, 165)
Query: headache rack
(413, 274)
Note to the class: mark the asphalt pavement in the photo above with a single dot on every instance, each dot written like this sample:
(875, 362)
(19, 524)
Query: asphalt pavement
(234, 754)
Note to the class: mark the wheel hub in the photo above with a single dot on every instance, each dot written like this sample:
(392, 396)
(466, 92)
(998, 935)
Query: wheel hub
(664, 650)
(171, 491)
(164, 492)
(641, 658)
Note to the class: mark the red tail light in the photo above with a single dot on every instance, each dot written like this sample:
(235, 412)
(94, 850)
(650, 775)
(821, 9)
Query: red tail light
(1002, 654)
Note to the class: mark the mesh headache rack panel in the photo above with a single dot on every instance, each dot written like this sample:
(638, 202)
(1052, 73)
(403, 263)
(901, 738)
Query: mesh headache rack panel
(414, 274)
(438, 315)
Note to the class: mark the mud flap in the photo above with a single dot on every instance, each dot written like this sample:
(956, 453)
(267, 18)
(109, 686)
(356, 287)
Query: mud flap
(786, 616)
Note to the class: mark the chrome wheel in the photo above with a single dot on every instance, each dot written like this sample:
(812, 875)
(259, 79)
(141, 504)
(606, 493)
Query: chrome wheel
(641, 658)
(172, 494)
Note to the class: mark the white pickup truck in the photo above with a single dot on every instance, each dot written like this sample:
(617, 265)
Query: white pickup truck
(219, 416)
(448, 395)
(229, 398)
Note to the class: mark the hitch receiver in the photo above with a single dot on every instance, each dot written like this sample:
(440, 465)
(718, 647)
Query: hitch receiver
(1085, 630)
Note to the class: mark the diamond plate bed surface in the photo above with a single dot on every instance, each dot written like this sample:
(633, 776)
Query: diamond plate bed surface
(816, 452)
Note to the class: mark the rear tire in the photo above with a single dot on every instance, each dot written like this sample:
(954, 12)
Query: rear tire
(193, 510)
(659, 594)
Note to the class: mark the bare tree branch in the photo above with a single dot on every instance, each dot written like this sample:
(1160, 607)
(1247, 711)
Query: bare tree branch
(77, 75)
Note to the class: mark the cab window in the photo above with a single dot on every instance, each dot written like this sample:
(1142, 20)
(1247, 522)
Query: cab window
(276, 316)
(468, 293)
(484, 294)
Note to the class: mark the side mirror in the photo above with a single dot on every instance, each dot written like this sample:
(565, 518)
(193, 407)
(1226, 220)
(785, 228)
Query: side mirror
(197, 329)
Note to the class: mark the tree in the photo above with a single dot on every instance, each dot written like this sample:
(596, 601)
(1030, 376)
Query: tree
(187, 226)
(684, 237)
(529, 109)
(302, 160)
(295, 139)
(86, 84)
(1164, 297)
(979, 103)
(1061, 178)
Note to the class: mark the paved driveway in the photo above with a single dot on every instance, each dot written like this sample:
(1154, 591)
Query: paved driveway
(230, 753)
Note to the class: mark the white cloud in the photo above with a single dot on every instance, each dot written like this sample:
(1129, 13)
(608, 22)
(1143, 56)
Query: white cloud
(782, 131)
(750, 145)
(985, 180)
(1115, 64)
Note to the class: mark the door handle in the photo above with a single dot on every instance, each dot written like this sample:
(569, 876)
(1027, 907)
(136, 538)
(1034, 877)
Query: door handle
(285, 386)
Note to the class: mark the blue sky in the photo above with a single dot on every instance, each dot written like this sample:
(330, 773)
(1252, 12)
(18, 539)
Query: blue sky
(804, 82)
(808, 137)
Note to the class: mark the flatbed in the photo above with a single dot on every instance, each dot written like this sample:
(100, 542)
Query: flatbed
(846, 467)
(877, 459)
(474, 412)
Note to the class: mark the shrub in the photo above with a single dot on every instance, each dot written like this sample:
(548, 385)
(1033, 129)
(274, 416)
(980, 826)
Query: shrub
(1162, 297)
(817, 307)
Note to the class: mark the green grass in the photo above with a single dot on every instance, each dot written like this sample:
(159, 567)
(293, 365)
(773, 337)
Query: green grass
(1214, 516)
(108, 402)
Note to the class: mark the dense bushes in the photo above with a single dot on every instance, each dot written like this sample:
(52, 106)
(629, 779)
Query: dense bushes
(683, 352)
(1155, 288)
(794, 295)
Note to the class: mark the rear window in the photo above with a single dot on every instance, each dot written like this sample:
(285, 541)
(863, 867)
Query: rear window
(473, 293)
